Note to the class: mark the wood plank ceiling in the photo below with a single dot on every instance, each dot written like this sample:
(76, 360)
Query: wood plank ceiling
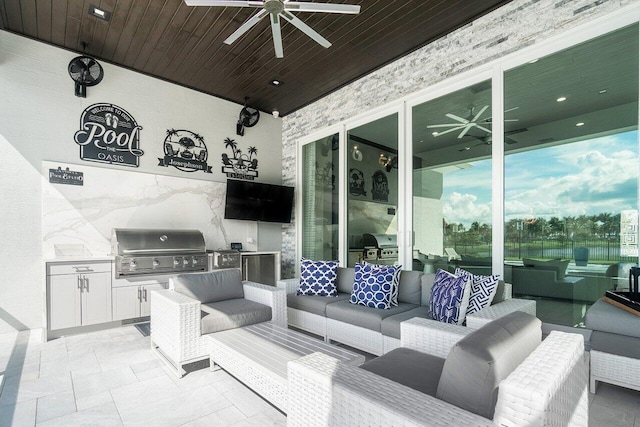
(182, 44)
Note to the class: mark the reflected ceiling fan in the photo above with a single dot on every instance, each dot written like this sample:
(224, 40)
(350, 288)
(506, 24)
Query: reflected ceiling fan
(464, 125)
(277, 9)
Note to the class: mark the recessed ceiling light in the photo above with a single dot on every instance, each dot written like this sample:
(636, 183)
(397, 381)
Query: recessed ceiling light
(580, 124)
(561, 99)
(435, 133)
(533, 61)
(276, 82)
(99, 13)
(602, 91)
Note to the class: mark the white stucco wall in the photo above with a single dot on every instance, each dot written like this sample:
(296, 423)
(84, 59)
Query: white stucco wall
(39, 115)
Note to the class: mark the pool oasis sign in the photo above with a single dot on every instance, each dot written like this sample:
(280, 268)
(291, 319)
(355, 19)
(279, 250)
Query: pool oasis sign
(108, 134)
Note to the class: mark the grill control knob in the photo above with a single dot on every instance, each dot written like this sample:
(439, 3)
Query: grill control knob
(133, 264)
(194, 261)
(156, 263)
(185, 261)
(176, 262)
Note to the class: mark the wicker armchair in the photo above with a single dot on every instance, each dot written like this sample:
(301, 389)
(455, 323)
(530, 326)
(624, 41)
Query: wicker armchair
(176, 322)
(549, 387)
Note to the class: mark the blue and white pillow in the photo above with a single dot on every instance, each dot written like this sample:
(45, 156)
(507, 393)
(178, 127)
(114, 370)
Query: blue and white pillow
(396, 283)
(374, 285)
(449, 297)
(318, 278)
(483, 290)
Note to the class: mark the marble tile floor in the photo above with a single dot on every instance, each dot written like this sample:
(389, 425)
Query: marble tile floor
(112, 378)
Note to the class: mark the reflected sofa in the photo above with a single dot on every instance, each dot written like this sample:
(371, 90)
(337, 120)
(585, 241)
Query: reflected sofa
(548, 279)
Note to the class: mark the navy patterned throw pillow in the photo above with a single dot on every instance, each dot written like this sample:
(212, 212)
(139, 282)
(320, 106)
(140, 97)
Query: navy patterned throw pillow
(483, 289)
(318, 278)
(374, 285)
(449, 297)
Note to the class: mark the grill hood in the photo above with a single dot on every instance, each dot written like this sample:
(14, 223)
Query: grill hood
(134, 241)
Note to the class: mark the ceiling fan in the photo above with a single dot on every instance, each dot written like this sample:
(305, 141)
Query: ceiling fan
(466, 124)
(277, 9)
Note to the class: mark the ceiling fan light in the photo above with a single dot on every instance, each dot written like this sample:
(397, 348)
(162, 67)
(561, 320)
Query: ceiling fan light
(580, 124)
(561, 99)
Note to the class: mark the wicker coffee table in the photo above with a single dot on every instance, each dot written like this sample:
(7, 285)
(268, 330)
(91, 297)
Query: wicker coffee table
(258, 354)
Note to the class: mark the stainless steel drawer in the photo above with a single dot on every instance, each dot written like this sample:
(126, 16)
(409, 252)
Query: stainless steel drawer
(55, 268)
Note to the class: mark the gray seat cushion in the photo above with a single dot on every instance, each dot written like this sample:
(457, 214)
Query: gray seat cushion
(420, 371)
(409, 287)
(477, 363)
(212, 286)
(621, 345)
(313, 304)
(391, 325)
(232, 313)
(605, 317)
(360, 315)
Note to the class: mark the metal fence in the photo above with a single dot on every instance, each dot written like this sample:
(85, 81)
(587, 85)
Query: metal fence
(599, 250)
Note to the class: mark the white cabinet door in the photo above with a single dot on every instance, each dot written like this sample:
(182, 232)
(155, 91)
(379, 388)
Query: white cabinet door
(126, 302)
(96, 298)
(145, 306)
(64, 301)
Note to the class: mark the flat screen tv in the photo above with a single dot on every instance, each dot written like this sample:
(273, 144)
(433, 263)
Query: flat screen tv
(258, 202)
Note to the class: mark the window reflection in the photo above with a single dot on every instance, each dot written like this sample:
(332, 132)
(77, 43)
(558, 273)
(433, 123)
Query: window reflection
(571, 175)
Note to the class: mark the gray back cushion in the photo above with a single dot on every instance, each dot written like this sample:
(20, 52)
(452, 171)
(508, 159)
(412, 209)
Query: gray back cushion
(478, 362)
(410, 287)
(501, 294)
(426, 282)
(345, 278)
(218, 285)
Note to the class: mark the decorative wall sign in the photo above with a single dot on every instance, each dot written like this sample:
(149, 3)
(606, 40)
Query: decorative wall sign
(108, 134)
(356, 182)
(59, 176)
(240, 166)
(379, 187)
(185, 151)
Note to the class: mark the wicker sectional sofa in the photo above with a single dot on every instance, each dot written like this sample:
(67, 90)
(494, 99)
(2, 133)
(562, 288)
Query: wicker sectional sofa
(378, 331)
(459, 382)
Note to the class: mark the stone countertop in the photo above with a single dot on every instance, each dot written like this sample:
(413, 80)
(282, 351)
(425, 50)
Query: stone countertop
(80, 258)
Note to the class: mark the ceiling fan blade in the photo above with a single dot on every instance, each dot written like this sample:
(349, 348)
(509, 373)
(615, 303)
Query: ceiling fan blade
(277, 35)
(446, 125)
(457, 118)
(483, 128)
(511, 109)
(306, 29)
(465, 130)
(223, 3)
(450, 130)
(298, 6)
(246, 26)
(477, 116)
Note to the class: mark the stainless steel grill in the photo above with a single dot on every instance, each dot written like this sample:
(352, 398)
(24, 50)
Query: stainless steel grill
(141, 252)
(380, 247)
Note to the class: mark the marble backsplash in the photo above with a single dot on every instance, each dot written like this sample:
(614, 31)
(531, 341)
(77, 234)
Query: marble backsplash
(78, 219)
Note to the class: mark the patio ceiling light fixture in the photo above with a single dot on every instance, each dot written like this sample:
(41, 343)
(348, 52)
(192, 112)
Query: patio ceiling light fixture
(99, 13)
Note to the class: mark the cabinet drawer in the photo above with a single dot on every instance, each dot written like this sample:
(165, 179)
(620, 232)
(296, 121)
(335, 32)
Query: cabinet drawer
(54, 269)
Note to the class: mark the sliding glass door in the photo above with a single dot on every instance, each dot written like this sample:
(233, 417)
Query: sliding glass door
(571, 175)
(452, 138)
(320, 186)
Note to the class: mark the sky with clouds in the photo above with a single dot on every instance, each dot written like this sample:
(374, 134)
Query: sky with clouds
(580, 178)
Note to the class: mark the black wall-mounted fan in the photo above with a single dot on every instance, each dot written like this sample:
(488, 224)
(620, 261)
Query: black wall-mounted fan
(85, 71)
(248, 118)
